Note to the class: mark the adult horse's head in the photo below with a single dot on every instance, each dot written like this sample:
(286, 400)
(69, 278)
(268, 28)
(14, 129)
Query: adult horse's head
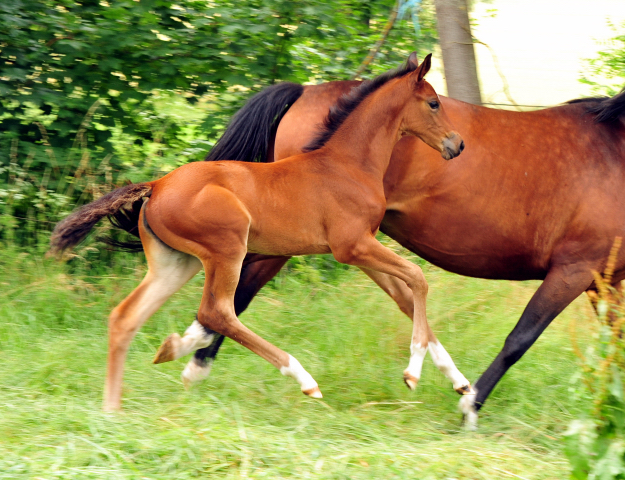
(424, 116)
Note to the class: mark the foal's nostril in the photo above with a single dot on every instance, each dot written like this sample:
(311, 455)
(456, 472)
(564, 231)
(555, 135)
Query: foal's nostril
(461, 148)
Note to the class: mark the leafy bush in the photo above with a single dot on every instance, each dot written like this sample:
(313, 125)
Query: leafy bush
(595, 444)
(96, 93)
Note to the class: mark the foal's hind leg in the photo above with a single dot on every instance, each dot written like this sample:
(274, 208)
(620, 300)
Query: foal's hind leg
(168, 271)
(217, 314)
(368, 253)
(256, 272)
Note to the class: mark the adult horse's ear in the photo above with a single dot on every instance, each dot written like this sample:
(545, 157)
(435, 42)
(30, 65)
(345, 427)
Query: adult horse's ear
(413, 62)
(424, 67)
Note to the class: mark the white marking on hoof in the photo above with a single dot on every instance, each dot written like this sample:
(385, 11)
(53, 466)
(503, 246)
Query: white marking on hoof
(195, 337)
(446, 365)
(413, 373)
(467, 407)
(307, 383)
(196, 371)
(175, 347)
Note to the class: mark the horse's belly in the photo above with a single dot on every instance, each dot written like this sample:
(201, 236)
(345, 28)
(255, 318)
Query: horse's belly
(466, 249)
(286, 242)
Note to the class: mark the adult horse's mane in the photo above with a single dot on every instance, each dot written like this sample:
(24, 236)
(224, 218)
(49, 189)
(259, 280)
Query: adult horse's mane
(348, 103)
(605, 109)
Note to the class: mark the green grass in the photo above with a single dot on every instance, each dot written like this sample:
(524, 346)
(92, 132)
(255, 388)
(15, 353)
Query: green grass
(247, 420)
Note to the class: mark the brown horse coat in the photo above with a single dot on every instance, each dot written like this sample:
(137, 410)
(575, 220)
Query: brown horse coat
(536, 195)
(209, 215)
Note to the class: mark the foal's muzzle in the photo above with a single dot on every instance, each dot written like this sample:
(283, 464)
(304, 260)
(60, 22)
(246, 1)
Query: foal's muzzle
(452, 146)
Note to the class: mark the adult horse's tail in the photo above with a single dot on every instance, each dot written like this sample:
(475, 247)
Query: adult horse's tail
(251, 130)
(73, 229)
(247, 138)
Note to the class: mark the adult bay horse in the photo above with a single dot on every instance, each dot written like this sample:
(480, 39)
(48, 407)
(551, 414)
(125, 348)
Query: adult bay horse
(537, 195)
(329, 200)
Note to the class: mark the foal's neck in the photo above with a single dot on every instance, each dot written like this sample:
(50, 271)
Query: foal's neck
(367, 137)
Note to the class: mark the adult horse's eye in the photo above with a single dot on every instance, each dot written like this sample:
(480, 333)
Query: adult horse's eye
(433, 105)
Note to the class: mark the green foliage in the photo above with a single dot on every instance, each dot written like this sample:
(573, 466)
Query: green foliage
(596, 442)
(606, 72)
(97, 92)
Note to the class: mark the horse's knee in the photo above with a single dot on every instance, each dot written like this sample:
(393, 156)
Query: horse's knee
(418, 283)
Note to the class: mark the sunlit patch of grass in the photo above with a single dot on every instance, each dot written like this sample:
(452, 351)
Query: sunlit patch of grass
(249, 421)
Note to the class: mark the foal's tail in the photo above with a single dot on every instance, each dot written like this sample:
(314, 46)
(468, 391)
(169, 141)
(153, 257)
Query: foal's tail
(75, 227)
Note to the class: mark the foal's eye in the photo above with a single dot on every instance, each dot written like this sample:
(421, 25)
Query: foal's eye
(433, 105)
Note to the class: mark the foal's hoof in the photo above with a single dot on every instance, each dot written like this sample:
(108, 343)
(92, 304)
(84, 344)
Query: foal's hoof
(167, 351)
(466, 390)
(313, 392)
(410, 381)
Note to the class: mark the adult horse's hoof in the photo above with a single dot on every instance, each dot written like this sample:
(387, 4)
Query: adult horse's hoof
(196, 371)
(411, 381)
(313, 392)
(469, 412)
(167, 351)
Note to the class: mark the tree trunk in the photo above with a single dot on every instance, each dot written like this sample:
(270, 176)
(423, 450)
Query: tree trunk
(454, 32)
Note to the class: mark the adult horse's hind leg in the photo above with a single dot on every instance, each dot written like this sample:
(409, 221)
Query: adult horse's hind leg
(168, 271)
(256, 272)
(561, 286)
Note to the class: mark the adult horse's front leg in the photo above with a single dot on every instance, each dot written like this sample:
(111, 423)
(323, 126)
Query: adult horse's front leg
(562, 285)
(380, 262)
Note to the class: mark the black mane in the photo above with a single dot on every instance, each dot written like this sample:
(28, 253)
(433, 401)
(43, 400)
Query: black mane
(348, 103)
(605, 109)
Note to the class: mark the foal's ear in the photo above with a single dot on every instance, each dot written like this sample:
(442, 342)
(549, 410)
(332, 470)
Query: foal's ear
(413, 62)
(424, 67)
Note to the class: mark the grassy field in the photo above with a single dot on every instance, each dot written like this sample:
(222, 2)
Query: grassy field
(247, 420)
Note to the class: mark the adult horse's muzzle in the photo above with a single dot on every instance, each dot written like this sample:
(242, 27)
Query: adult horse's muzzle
(452, 146)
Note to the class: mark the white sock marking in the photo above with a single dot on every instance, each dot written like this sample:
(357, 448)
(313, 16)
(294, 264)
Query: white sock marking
(195, 337)
(197, 371)
(467, 407)
(417, 355)
(295, 370)
(446, 365)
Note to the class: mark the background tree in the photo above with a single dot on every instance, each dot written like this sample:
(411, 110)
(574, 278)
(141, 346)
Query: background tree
(454, 30)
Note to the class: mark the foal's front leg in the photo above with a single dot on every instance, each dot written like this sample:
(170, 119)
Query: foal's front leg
(386, 267)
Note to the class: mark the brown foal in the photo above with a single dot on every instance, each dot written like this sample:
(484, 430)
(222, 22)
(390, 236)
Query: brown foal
(330, 200)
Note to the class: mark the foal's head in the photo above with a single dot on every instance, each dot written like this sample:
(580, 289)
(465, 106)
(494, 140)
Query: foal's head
(424, 116)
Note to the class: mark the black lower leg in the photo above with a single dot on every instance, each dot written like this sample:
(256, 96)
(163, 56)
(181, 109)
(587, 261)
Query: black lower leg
(561, 287)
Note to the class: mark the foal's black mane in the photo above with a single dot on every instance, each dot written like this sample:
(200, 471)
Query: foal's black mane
(605, 109)
(348, 103)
